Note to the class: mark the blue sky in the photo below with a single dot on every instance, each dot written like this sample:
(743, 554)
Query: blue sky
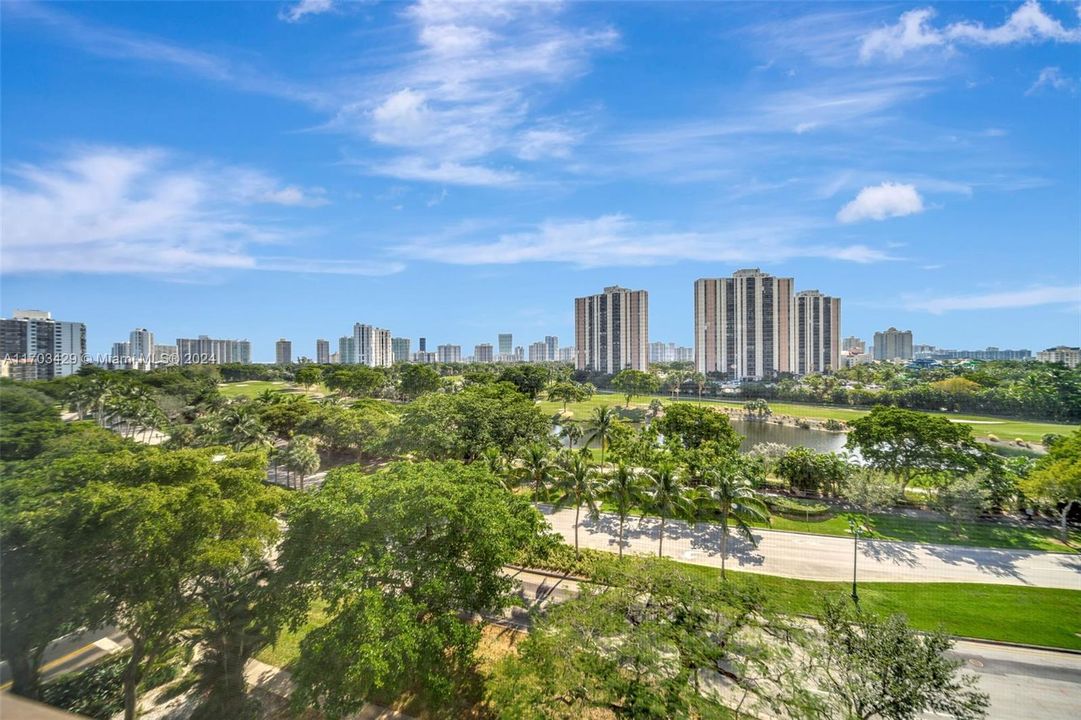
(272, 169)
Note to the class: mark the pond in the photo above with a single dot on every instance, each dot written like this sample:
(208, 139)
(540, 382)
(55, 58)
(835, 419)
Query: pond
(755, 432)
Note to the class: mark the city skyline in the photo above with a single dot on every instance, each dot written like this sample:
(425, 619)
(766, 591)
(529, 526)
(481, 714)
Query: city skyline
(493, 159)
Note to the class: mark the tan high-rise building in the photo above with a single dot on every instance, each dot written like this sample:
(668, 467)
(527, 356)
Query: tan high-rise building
(893, 344)
(611, 330)
(816, 333)
(742, 325)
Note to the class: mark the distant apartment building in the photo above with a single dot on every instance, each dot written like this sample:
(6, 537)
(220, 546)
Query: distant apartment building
(204, 350)
(518, 355)
(483, 353)
(893, 344)
(422, 345)
(506, 343)
(611, 330)
(538, 352)
(283, 352)
(1068, 356)
(141, 345)
(424, 357)
(165, 355)
(399, 349)
(566, 354)
(120, 357)
(551, 348)
(658, 352)
(742, 325)
(990, 353)
(322, 351)
(853, 344)
(449, 353)
(367, 345)
(816, 338)
(33, 346)
(683, 354)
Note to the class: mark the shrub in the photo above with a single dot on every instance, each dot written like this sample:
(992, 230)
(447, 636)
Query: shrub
(96, 692)
(834, 425)
(796, 506)
(992, 437)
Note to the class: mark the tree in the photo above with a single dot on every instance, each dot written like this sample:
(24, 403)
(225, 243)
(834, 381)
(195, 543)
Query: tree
(635, 382)
(573, 432)
(149, 524)
(728, 490)
(599, 427)
(757, 408)
(1055, 482)
(903, 442)
(365, 428)
(308, 375)
(301, 457)
(871, 667)
(415, 380)
(807, 471)
(668, 497)
(689, 426)
(462, 425)
(356, 380)
(654, 411)
(868, 489)
(529, 379)
(623, 490)
(638, 644)
(578, 485)
(535, 468)
(401, 558)
(566, 391)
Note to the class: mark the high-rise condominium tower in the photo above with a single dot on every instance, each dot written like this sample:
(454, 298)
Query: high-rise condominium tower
(141, 345)
(483, 353)
(893, 344)
(204, 350)
(283, 352)
(816, 332)
(322, 352)
(33, 346)
(611, 330)
(551, 348)
(449, 353)
(366, 346)
(506, 343)
(399, 349)
(742, 325)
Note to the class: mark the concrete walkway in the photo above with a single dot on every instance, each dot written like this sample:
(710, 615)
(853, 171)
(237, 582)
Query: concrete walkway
(822, 557)
(279, 682)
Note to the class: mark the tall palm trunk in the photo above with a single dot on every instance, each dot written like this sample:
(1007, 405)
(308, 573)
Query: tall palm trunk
(622, 519)
(724, 541)
(577, 510)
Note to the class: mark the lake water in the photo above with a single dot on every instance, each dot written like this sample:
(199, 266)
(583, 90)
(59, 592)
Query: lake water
(754, 432)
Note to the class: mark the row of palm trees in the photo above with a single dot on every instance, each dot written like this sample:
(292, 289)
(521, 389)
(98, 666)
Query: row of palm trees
(131, 409)
(571, 479)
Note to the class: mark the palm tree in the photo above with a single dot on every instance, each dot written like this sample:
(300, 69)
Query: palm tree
(496, 463)
(242, 429)
(729, 491)
(699, 380)
(656, 407)
(622, 490)
(600, 426)
(573, 432)
(537, 469)
(301, 457)
(577, 481)
(668, 496)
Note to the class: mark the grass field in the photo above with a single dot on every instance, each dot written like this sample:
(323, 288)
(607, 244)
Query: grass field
(1003, 428)
(1038, 616)
(255, 388)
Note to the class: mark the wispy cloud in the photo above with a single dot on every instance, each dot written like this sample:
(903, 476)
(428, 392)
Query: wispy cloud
(618, 240)
(1032, 297)
(1052, 77)
(297, 12)
(882, 201)
(143, 210)
(914, 31)
(462, 103)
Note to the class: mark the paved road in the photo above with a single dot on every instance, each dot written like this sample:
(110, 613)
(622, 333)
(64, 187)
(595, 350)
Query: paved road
(74, 652)
(821, 557)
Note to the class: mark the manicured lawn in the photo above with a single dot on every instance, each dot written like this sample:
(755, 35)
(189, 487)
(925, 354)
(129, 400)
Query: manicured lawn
(1003, 428)
(1039, 616)
(255, 388)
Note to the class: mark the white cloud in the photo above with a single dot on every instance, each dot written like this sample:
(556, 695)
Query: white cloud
(617, 240)
(141, 210)
(297, 12)
(1046, 295)
(1052, 77)
(914, 31)
(464, 100)
(883, 201)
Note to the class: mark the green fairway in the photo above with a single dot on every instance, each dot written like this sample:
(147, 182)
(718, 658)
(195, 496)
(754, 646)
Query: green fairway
(287, 649)
(1003, 428)
(255, 388)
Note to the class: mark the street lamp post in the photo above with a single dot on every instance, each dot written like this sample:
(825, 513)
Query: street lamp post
(855, 528)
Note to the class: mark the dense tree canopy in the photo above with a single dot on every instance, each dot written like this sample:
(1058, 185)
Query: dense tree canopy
(397, 557)
(690, 426)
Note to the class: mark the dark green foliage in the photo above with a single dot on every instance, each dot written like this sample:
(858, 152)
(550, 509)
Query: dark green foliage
(692, 425)
(529, 379)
